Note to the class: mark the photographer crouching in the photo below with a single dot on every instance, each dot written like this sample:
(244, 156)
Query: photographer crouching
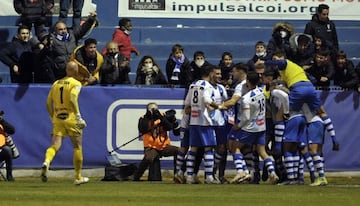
(154, 127)
(8, 150)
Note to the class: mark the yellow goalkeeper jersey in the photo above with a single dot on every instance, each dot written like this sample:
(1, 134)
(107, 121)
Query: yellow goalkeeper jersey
(63, 97)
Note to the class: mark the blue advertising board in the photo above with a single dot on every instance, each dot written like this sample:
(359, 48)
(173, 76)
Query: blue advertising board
(112, 115)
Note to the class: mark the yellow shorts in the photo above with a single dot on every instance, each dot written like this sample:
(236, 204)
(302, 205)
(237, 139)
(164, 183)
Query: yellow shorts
(66, 127)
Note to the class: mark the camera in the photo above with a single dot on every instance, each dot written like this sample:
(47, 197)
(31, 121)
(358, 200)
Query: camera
(155, 114)
(170, 116)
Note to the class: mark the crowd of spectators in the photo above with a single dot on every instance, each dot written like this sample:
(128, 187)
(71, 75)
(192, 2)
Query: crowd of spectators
(42, 58)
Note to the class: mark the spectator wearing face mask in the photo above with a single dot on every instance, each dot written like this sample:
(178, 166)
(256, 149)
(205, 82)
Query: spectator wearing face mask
(199, 62)
(260, 54)
(280, 38)
(115, 69)
(149, 73)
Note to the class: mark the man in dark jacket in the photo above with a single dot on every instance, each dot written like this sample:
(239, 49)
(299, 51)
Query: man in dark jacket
(18, 56)
(34, 12)
(65, 41)
(321, 26)
(115, 69)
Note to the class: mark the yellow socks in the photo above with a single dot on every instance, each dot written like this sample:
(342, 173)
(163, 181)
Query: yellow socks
(78, 162)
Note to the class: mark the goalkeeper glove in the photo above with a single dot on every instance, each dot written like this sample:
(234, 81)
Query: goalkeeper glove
(80, 122)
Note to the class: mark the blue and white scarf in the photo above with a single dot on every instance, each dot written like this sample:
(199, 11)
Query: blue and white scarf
(176, 70)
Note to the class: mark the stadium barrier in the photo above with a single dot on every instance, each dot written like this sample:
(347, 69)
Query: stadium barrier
(112, 115)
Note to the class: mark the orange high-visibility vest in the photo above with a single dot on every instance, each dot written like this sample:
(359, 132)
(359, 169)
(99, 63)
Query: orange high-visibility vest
(2, 136)
(157, 138)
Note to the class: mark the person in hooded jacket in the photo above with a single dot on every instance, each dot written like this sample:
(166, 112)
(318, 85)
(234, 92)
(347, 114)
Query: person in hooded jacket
(302, 50)
(280, 38)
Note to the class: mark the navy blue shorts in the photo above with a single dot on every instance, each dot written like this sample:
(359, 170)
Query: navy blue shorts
(315, 132)
(295, 129)
(301, 93)
(248, 138)
(202, 136)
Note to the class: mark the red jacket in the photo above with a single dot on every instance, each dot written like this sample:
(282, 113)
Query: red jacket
(124, 42)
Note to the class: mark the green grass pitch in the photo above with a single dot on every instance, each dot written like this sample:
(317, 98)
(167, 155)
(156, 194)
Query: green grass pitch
(30, 191)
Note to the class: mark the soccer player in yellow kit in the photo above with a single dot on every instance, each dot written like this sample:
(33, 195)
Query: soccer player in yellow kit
(63, 109)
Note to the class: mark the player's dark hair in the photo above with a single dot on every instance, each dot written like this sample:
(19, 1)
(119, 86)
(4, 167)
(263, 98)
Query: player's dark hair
(205, 72)
(241, 66)
(253, 77)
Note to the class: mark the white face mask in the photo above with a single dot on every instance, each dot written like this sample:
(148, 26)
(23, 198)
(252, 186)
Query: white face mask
(283, 34)
(199, 63)
(261, 54)
(127, 32)
(148, 65)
